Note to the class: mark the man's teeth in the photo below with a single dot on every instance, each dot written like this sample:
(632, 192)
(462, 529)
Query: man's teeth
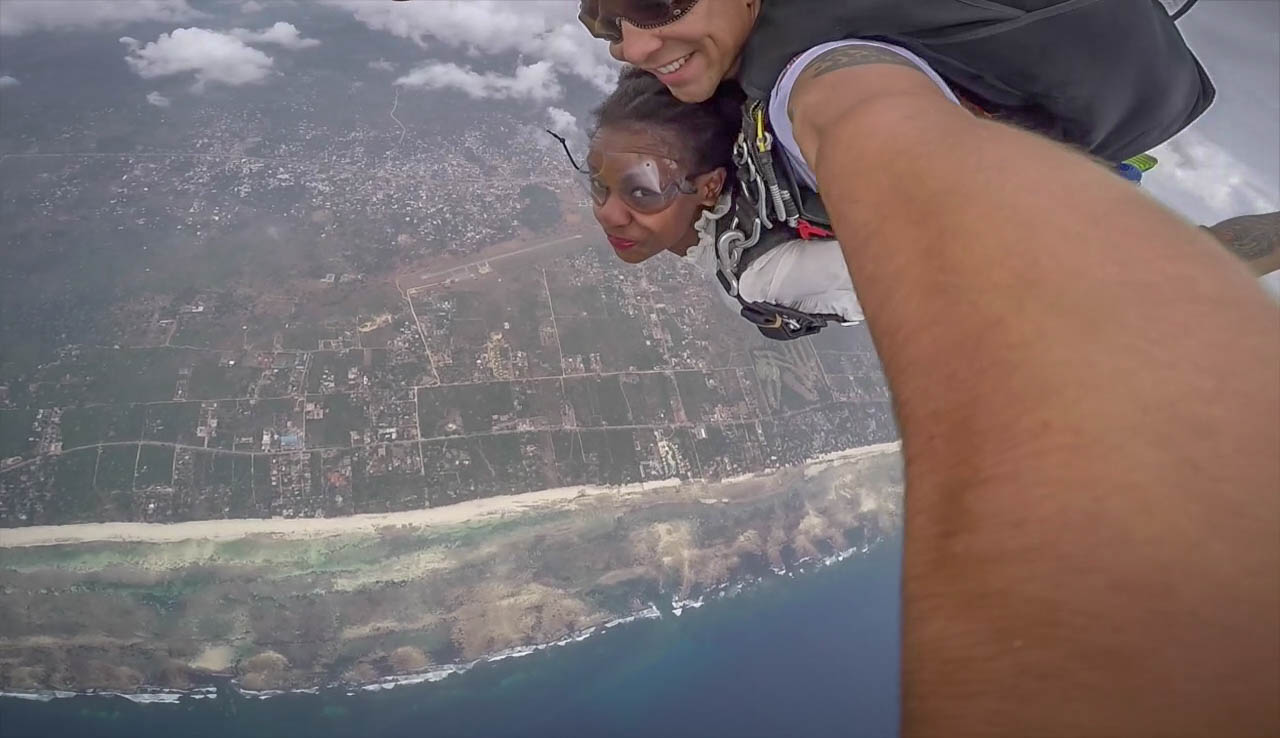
(673, 66)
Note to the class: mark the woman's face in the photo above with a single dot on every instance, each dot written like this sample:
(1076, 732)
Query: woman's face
(637, 236)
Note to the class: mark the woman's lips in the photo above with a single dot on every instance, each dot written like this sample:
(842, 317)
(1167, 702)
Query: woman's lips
(621, 244)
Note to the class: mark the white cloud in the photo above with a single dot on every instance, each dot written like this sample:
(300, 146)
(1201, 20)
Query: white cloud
(1206, 182)
(382, 65)
(24, 16)
(251, 6)
(544, 30)
(8, 81)
(158, 100)
(532, 82)
(212, 57)
(281, 34)
(1228, 162)
(562, 121)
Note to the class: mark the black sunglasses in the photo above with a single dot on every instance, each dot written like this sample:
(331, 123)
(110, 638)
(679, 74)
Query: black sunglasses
(603, 18)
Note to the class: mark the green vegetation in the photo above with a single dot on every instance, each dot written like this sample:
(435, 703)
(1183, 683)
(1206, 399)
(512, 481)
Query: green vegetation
(106, 375)
(479, 325)
(650, 397)
(219, 469)
(391, 493)
(76, 501)
(623, 466)
(539, 208)
(342, 414)
(334, 365)
(16, 433)
(86, 426)
(211, 380)
(465, 409)
(618, 338)
(155, 466)
(304, 336)
(598, 401)
(115, 468)
(173, 422)
(706, 395)
(240, 424)
(261, 492)
(240, 469)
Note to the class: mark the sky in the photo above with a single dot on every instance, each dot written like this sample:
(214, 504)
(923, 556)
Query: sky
(1227, 163)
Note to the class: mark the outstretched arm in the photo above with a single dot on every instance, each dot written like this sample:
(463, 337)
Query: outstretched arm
(1087, 390)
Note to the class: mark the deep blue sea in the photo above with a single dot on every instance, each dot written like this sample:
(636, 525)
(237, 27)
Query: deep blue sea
(814, 655)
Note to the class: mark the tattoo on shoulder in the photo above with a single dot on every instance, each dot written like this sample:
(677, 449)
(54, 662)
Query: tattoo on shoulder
(843, 57)
(1250, 237)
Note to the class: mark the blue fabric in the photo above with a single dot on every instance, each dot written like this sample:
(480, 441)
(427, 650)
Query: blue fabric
(1129, 172)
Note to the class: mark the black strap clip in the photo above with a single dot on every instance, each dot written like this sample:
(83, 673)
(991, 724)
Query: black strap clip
(782, 323)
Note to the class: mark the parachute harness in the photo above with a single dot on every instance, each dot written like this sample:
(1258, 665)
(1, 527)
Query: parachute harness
(762, 205)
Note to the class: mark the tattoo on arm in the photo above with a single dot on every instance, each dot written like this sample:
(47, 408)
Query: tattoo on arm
(844, 57)
(1250, 237)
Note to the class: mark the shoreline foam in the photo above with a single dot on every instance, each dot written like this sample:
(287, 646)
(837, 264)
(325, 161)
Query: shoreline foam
(444, 671)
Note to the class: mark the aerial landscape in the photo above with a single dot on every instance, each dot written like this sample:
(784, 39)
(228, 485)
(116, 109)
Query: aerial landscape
(283, 306)
(319, 381)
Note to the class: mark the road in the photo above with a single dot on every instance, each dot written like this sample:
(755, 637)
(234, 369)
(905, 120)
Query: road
(445, 275)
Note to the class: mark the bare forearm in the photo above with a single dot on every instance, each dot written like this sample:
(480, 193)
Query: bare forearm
(1087, 391)
(1253, 238)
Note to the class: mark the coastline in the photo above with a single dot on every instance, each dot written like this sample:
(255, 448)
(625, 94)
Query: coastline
(470, 511)
(440, 672)
(639, 552)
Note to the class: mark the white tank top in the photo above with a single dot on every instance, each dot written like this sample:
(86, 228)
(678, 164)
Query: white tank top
(781, 122)
(810, 276)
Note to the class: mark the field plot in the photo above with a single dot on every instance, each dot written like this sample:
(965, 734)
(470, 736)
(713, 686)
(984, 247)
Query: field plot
(386, 478)
(652, 399)
(333, 419)
(241, 424)
(173, 422)
(76, 501)
(713, 397)
(490, 406)
(87, 426)
(481, 338)
(485, 466)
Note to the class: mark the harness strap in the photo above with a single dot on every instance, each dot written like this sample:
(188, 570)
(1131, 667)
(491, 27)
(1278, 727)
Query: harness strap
(780, 322)
(760, 158)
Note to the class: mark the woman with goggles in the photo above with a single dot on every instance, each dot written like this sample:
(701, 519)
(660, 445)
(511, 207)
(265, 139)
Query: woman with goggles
(657, 171)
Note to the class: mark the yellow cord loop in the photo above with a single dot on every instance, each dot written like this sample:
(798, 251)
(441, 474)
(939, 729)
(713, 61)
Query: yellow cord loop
(760, 141)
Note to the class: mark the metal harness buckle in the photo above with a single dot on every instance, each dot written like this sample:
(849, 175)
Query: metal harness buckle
(782, 323)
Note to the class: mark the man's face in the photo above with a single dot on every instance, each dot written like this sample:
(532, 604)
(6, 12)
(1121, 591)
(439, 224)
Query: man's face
(693, 54)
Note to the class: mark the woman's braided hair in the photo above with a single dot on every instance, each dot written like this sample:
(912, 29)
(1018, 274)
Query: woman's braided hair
(705, 130)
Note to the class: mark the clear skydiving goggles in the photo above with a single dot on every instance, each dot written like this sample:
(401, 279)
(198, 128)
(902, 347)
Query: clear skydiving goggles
(603, 18)
(646, 183)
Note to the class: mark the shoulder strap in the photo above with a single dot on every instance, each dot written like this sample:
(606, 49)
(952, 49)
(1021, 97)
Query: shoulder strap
(770, 183)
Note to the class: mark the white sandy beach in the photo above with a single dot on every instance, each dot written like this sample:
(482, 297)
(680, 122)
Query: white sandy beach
(300, 528)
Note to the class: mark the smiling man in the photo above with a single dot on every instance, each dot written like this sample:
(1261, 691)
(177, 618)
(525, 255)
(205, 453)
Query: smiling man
(690, 46)
(1084, 382)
